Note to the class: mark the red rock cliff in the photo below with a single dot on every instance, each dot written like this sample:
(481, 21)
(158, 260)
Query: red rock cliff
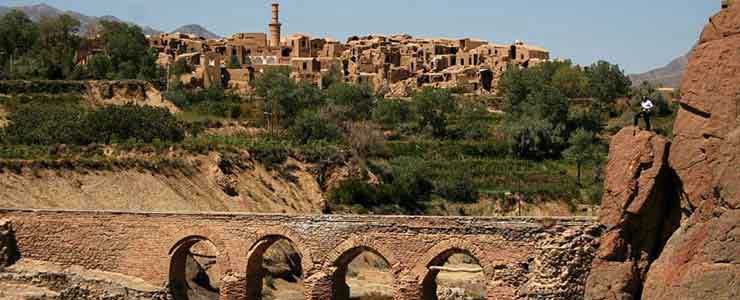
(700, 186)
(702, 258)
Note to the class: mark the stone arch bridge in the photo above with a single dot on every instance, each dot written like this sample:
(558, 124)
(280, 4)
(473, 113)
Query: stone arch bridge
(522, 257)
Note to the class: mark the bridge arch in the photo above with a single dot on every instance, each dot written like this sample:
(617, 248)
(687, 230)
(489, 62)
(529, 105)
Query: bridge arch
(425, 273)
(261, 242)
(195, 268)
(337, 262)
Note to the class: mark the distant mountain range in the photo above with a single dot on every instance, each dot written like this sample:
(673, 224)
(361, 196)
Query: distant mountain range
(197, 30)
(667, 76)
(35, 12)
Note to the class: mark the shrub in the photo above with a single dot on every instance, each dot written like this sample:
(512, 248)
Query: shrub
(359, 99)
(408, 191)
(457, 189)
(144, 123)
(433, 107)
(390, 113)
(471, 121)
(354, 192)
(35, 124)
(365, 139)
(310, 126)
(42, 87)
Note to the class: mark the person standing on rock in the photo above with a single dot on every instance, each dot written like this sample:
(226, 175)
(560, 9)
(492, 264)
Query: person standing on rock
(645, 112)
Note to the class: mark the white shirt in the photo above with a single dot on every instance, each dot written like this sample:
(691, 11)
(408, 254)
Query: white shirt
(647, 105)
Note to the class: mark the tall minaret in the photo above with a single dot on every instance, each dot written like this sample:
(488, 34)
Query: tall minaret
(275, 27)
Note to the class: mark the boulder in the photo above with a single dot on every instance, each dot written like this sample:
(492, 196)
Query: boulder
(702, 258)
(639, 211)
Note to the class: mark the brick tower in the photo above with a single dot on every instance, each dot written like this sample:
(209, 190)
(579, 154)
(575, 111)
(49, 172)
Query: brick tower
(275, 27)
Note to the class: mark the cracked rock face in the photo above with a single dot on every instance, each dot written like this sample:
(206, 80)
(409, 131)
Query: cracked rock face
(702, 258)
(709, 107)
(639, 211)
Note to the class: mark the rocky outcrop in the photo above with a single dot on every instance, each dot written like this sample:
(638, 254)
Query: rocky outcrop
(639, 211)
(702, 259)
(710, 105)
(127, 91)
(8, 248)
(95, 92)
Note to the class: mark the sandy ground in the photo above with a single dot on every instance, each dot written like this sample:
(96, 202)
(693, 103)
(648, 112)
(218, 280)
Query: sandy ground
(369, 279)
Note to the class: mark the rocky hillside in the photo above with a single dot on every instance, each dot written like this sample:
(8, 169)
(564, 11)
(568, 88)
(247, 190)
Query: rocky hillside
(667, 76)
(36, 12)
(197, 30)
(671, 210)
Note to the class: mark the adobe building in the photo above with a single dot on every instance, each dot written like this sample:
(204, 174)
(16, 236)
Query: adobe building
(395, 65)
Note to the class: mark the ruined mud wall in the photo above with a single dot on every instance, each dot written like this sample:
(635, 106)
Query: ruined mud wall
(522, 258)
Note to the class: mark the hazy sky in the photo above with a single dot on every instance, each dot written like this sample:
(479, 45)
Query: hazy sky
(637, 34)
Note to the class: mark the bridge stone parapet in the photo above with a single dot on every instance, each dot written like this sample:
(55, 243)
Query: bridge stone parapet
(145, 244)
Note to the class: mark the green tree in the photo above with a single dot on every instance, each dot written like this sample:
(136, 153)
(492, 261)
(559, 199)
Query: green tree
(128, 49)
(606, 83)
(433, 107)
(537, 127)
(58, 45)
(311, 127)
(283, 98)
(392, 112)
(275, 87)
(516, 84)
(583, 149)
(100, 67)
(18, 36)
(358, 99)
(571, 81)
(334, 75)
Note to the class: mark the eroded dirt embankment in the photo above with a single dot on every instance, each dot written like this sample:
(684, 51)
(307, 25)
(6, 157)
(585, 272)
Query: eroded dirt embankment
(95, 93)
(207, 185)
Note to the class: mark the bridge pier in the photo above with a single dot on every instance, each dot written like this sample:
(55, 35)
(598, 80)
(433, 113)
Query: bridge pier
(233, 287)
(319, 286)
(408, 288)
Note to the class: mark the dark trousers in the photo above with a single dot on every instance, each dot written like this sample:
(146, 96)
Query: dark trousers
(646, 116)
